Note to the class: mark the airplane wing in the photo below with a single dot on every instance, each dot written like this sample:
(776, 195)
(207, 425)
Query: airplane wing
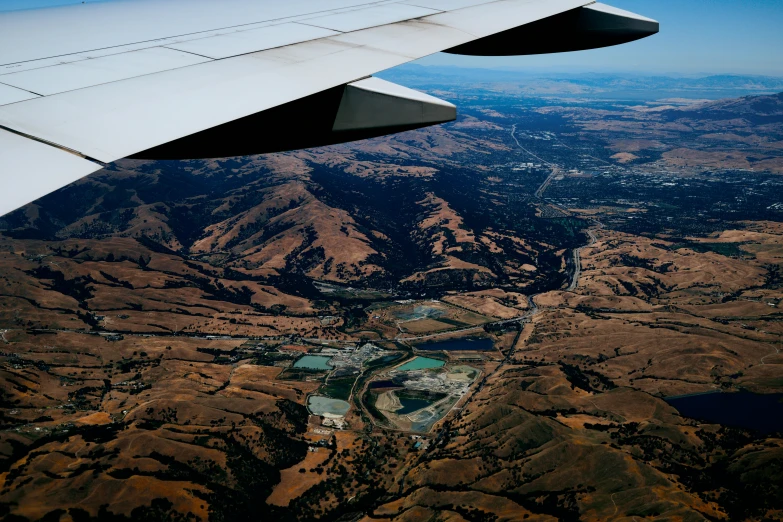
(84, 85)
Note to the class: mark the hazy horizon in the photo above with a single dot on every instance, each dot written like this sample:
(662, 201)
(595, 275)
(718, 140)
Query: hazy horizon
(429, 63)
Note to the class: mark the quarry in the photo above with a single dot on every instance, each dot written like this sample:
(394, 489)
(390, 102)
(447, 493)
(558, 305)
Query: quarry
(417, 394)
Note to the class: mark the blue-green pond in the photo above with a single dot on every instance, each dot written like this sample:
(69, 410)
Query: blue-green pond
(319, 405)
(313, 362)
(420, 363)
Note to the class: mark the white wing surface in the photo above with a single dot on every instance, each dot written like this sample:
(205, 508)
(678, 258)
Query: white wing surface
(84, 85)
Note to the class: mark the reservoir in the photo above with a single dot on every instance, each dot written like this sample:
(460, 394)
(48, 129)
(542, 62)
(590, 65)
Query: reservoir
(313, 362)
(758, 412)
(420, 363)
(319, 405)
(472, 344)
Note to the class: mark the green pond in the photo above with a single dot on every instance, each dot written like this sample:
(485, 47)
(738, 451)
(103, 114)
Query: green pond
(319, 405)
(420, 363)
(313, 362)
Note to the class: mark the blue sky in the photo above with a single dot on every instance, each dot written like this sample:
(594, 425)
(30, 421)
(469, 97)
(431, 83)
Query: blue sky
(697, 37)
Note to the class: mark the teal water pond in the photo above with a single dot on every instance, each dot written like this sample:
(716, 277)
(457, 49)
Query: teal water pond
(420, 363)
(313, 362)
(319, 405)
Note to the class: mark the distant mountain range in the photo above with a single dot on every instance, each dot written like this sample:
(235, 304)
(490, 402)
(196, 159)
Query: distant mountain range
(769, 106)
(596, 85)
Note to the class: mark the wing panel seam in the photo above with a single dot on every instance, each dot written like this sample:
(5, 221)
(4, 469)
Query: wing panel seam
(53, 145)
(21, 89)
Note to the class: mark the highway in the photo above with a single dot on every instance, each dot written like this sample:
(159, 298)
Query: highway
(578, 255)
(577, 259)
(539, 194)
(542, 160)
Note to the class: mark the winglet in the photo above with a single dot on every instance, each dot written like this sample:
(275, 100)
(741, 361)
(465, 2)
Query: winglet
(589, 27)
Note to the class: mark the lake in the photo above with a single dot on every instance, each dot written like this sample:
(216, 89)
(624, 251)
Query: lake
(472, 344)
(420, 363)
(758, 412)
(319, 405)
(313, 362)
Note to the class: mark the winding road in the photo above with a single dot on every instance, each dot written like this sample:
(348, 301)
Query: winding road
(578, 255)
(539, 194)
(777, 351)
(533, 310)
